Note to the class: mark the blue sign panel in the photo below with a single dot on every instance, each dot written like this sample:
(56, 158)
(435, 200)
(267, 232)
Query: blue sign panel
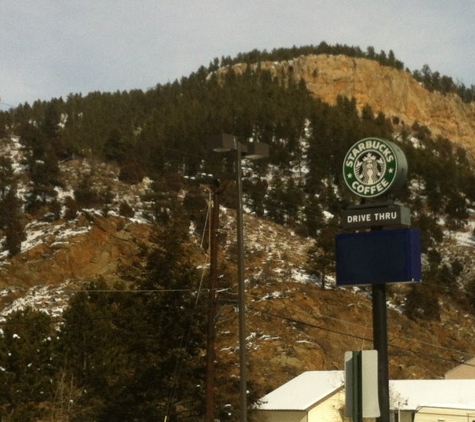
(379, 256)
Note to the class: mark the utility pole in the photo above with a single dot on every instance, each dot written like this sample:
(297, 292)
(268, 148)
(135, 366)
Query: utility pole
(213, 283)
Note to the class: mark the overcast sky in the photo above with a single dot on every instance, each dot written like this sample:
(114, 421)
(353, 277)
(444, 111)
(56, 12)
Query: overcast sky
(50, 48)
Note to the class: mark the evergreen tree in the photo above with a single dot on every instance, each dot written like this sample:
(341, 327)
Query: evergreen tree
(456, 210)
(44, 174)
(93, 349)
(138, 355)
(132, 173)
(86, 195)
(321, 256)
(11, 222)
(6, 174)
(422, 302)
(115, 148)
(71, 208)
(28, 362)
(170, 367)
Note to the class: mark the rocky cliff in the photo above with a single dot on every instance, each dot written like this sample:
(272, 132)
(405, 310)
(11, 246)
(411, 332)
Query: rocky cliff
(394, 92)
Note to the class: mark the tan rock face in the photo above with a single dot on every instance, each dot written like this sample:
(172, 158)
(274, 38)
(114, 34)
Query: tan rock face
(392, 91)
(108, 244)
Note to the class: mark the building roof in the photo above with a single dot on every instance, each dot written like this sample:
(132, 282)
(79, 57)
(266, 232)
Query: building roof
(417, 393)
(450, 406)
(307, 389)
(304, 391)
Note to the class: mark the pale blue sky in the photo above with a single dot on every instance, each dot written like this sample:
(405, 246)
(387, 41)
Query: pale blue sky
(50, 48)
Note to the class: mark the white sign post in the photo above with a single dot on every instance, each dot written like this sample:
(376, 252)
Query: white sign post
(361, 385)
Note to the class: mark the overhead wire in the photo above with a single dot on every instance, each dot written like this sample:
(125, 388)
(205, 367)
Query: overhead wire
(6, 104)
(352, 335)
(346, 322)
(229, 291)
(294, 320)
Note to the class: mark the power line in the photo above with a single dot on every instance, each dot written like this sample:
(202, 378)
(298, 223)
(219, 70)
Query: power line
(422, 354)
(304, 323)
(6, 104)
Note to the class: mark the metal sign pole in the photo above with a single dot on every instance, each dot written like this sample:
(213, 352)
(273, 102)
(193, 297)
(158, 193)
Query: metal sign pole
(357, 388)
(380, 343)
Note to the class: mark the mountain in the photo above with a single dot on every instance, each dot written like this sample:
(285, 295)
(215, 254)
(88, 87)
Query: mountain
(310, 109)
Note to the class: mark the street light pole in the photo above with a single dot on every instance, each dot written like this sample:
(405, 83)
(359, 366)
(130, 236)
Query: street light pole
(223, 143)
(241, 286)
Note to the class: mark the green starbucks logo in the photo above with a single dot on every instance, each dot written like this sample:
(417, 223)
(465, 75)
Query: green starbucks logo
(373, 167)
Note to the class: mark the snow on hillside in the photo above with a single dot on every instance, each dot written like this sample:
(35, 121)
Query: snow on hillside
(12, 149)
(274, 251)
(49, 299)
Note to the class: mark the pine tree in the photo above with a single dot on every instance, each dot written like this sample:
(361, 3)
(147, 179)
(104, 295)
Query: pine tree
(422, 302)
(94, 352)
(28, 361)
(6, 174)
(138, 355)
(170, 368)
(321, 256)
(11, 222)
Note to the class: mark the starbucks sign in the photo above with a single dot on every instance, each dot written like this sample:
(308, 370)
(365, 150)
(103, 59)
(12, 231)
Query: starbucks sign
(374, 167)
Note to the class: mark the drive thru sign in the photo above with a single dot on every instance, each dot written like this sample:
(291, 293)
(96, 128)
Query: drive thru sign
(376, 215)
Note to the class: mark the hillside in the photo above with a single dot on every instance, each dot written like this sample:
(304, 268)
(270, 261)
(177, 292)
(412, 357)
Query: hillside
(292, 206)
(293, 324)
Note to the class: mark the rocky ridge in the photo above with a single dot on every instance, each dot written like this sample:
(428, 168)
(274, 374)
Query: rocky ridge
(394, 92)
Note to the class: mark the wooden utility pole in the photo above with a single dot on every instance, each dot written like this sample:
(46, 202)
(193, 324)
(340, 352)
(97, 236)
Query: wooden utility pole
(213, 283)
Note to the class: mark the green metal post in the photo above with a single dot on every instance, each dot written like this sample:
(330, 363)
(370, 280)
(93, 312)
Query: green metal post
(357, 387)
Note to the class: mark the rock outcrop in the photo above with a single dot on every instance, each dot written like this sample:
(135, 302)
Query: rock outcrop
(394, 92)
(99, 250)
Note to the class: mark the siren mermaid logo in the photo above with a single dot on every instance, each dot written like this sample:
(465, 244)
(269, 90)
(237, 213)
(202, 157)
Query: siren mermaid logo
(371, 166)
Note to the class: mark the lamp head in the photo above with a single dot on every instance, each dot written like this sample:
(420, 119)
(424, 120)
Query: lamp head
(257, 150)
(222, 142)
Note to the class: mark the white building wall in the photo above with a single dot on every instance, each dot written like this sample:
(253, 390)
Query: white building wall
(280, 416)
(330, 410)
(402, 416)
(441, 414)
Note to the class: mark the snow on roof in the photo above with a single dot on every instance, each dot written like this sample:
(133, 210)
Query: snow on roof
(303, 391)
(419, 393)
(466, 406)
(310, 387)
